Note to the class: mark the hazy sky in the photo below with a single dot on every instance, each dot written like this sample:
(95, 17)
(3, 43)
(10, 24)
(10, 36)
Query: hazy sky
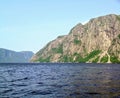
(31, 24)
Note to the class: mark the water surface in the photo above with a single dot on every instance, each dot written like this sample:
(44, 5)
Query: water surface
(59, 80)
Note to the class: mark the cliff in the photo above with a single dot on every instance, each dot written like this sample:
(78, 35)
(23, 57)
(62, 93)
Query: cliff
(97, 41)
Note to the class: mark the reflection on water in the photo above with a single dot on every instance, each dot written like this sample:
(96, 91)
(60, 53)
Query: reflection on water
(59, 80)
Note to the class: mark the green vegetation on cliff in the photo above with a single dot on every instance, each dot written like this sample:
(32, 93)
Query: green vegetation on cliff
(89, 56)
(66, 58)
(59, 49)
(77, 42)
(114, 59)
(104, 59)
(44, 59)
(79, 58)
(96, 60)
(119, 36)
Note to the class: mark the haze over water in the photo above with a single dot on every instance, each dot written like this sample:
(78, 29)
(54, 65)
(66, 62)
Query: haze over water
(64, 80)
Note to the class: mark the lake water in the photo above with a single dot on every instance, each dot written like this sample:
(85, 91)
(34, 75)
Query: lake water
(59, 80)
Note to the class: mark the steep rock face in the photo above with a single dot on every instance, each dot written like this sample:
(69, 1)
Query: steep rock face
(96, 41)
(114, 49)
(9, 56)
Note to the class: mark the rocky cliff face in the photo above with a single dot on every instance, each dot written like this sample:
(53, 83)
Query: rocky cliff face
(97, 41)
(9, 56)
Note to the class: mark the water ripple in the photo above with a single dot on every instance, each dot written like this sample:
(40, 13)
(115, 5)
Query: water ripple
(60, 81)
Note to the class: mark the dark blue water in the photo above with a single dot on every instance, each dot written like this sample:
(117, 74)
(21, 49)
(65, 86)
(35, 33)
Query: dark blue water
(59, 80)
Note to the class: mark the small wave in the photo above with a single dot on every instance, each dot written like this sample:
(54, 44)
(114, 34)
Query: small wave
(25, 78)
(22, 84)
(92, 93)
(39, 92)
(40, 83)
(6, 91)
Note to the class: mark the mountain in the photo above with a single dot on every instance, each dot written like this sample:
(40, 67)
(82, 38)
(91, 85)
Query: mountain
(97, 41)
(9, 56)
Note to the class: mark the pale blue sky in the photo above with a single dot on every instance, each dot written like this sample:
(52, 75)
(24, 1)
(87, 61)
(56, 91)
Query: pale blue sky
(31, 24)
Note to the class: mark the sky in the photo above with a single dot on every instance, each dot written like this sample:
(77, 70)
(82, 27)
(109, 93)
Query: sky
(28, 25)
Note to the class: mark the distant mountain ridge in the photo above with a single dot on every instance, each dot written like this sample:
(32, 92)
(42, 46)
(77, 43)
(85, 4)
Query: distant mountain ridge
(97, 41)
(9, 56)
